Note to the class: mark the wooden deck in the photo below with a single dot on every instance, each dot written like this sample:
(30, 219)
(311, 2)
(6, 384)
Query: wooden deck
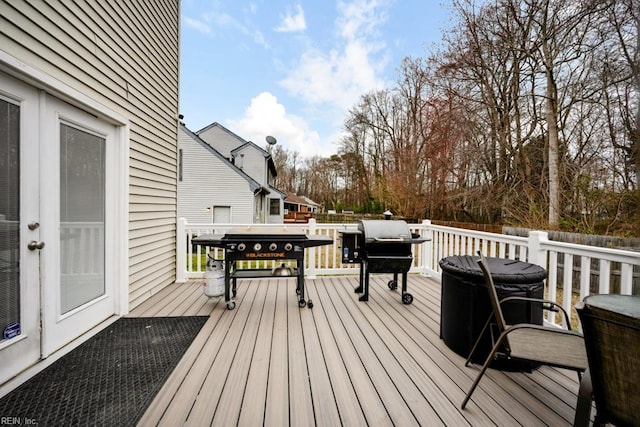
(343, 362)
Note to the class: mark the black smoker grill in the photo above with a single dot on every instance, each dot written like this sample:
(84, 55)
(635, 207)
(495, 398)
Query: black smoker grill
(256, 243)
(380, 246)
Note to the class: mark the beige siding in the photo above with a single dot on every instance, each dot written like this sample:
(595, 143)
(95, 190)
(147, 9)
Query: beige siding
(208, 181)
(123, 55)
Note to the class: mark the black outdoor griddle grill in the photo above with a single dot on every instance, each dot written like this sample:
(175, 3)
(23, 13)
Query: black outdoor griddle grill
(380, 246)
(255, 243)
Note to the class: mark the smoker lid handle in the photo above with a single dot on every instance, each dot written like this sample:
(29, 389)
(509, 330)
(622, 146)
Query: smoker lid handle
(397, 239)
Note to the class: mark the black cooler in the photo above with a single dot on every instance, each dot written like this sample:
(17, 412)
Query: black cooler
(465, 305)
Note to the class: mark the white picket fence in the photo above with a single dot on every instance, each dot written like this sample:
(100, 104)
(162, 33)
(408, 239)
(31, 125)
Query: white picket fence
(589, 269)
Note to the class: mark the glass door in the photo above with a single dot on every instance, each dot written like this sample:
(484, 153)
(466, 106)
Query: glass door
(78, 291)
(20, 243)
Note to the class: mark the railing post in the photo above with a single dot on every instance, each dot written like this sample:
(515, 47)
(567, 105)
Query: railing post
(536, 254)
(426, 248)
(181, 251)
(311, 270)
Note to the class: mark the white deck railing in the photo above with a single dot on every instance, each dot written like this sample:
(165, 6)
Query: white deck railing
(589, 269)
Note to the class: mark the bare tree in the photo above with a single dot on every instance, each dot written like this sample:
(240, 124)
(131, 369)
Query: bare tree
(530, 115)
(624, 19)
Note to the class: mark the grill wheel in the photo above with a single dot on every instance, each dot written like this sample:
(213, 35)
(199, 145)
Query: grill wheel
(407, 298)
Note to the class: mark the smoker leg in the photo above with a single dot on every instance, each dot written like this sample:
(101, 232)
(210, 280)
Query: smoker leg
(365, 295)
(393, 284)
(300, 280)
(309, 302)
(407, 298)
(360, 288)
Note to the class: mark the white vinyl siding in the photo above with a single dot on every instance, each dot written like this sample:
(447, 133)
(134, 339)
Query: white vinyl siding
(123, 55)
(254, 164)
(221, 139)
(209, 181)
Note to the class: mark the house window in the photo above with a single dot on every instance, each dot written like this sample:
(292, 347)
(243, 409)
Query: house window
(274, 206)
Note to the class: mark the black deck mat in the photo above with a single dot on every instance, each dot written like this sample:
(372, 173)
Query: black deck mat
(109, 380)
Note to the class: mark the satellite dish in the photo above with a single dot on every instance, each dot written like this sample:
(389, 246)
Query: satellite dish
(271, 140)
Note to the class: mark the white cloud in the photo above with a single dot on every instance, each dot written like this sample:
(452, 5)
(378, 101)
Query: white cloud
(252, 9)
(337, 77)
(293, 21)
(218, 22)
(266, 116)
(360, 18)
(258, 37)
(197, 25)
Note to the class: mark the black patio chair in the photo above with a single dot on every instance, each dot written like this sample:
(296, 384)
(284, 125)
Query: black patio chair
(612, 338)
(543, 345)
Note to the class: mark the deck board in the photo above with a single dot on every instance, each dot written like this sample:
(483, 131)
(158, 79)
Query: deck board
(219, 377)
(252, 410)
(390, 377)
(343, 362)
(277, 399)
(370, 402)
(346, 399)
(232, 394)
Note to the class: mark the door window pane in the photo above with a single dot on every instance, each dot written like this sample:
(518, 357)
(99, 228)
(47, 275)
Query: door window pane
(9, 219)
(82, 217)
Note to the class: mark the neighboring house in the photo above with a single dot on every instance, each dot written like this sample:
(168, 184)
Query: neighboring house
(248, 159)
(210, 187)
(296, 203)
(89, 124)
(299, 208)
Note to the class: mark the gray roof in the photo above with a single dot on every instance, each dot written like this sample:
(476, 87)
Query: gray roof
(253, 184)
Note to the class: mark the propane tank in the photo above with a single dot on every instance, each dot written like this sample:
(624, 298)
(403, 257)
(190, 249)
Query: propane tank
(214, 278)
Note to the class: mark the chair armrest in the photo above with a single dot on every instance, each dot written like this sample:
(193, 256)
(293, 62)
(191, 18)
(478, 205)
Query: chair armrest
(546, 305)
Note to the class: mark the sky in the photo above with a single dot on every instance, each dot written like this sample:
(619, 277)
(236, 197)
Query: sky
(293, 70)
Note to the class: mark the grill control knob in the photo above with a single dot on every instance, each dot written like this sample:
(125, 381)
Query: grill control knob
(273, 247)
(242, 247)
(257, 247)
(288, 247)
